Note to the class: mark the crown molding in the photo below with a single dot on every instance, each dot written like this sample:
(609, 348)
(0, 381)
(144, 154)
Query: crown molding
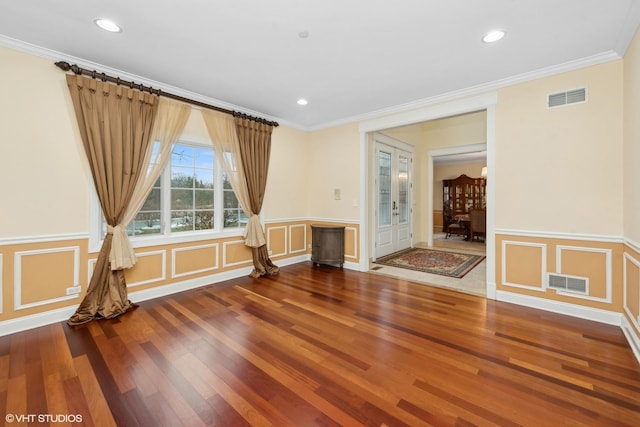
(604, 57)
(59, 56)
(628, 28)
(475, 90)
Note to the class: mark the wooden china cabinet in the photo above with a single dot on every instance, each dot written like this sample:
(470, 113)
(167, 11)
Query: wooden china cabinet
(461, 195)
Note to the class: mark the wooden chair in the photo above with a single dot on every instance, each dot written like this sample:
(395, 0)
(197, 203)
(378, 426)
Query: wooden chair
(477, 223)
(451, 226)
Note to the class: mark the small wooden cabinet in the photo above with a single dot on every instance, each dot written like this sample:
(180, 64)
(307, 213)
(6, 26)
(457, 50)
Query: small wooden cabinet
(327, 245)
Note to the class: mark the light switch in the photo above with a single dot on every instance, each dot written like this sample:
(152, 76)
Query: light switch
(336, 194)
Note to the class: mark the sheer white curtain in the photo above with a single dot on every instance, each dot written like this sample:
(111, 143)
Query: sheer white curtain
(223, 134)
(170, 121)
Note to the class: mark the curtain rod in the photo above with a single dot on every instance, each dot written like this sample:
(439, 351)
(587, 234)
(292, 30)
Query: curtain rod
(65, 66)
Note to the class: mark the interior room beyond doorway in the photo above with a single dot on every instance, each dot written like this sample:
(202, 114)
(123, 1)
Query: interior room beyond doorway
(443, 148)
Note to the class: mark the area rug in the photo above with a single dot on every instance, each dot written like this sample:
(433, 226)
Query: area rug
(451, 264)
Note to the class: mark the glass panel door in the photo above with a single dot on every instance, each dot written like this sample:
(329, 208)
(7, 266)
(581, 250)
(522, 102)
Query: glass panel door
(384, 193)
(403, 190)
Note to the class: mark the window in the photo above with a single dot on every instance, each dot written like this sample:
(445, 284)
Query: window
(193, 196)
(192, 188)
(233, 214)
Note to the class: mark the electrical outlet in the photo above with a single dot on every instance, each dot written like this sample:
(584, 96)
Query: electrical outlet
(73, 290)
(337, 194)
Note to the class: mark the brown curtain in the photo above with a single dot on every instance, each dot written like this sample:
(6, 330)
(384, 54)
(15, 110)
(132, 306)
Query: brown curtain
(116, 126)
(254, 139)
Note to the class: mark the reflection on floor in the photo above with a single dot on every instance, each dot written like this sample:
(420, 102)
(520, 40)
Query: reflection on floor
(473, 283)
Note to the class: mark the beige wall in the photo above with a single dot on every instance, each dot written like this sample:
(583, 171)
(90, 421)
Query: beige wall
(465, 129)
(287, 192)
(559, 170)
(631, 183)
(334, 163)
(631, 199)
(45, 180)
(46, 164)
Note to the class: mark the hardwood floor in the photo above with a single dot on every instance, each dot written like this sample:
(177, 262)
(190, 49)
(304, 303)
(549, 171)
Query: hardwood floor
(320, 346)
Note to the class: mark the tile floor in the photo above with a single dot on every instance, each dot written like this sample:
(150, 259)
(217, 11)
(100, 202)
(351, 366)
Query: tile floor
(473, 282)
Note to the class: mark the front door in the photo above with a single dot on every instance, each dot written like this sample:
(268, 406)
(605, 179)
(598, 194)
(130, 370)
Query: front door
(393, 205)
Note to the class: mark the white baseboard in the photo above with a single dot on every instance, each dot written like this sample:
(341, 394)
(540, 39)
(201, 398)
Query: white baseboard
(633, 339)
(36, 320)
(59, 315)
(597, 315)
(588, 313)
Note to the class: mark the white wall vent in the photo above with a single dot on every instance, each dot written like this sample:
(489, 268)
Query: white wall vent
(564, 282)
(574, 96)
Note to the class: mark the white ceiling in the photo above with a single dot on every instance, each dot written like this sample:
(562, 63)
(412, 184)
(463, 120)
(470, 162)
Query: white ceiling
(361, 57)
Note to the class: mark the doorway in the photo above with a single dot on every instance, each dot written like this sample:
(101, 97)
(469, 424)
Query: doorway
(393, 184)
(430, 111)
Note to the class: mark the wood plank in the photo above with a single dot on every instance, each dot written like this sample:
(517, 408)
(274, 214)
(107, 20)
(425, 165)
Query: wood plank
(324, 347)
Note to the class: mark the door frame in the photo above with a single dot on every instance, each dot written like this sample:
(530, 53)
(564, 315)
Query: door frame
(380, 138)
(416, 113)
(446, 151)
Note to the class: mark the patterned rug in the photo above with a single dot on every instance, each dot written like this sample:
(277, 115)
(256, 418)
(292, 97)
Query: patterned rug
(452, 264)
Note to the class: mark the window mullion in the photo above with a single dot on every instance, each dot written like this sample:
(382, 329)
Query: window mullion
(218, 191)
(165, 211)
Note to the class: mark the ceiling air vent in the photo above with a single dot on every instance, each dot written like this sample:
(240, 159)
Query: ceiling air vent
(563, 282)
(574, 96)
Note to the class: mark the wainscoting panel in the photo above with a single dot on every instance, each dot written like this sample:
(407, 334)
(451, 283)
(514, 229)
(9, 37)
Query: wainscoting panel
(523, 262)
(150, 268)
(42, 276)
(351, 243)
(631, 296)
(236, 253)
(518, 274)
(194, 260)
(35, 272)
(438, 221)
(1, 285)
(297, 238)
(592, 263)
(277, 240)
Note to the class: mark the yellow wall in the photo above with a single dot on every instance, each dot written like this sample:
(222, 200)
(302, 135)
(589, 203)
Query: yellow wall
(43, 171)
(334, 163)
(559, 170)
(287, 192)
(631, 199)
(465, 129)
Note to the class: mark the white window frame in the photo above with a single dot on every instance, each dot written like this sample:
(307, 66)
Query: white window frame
(167, 237)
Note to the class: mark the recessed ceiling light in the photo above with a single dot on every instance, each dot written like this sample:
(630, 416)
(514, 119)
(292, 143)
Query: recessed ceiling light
(108, 25)
(302, 101)
(493, 36)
